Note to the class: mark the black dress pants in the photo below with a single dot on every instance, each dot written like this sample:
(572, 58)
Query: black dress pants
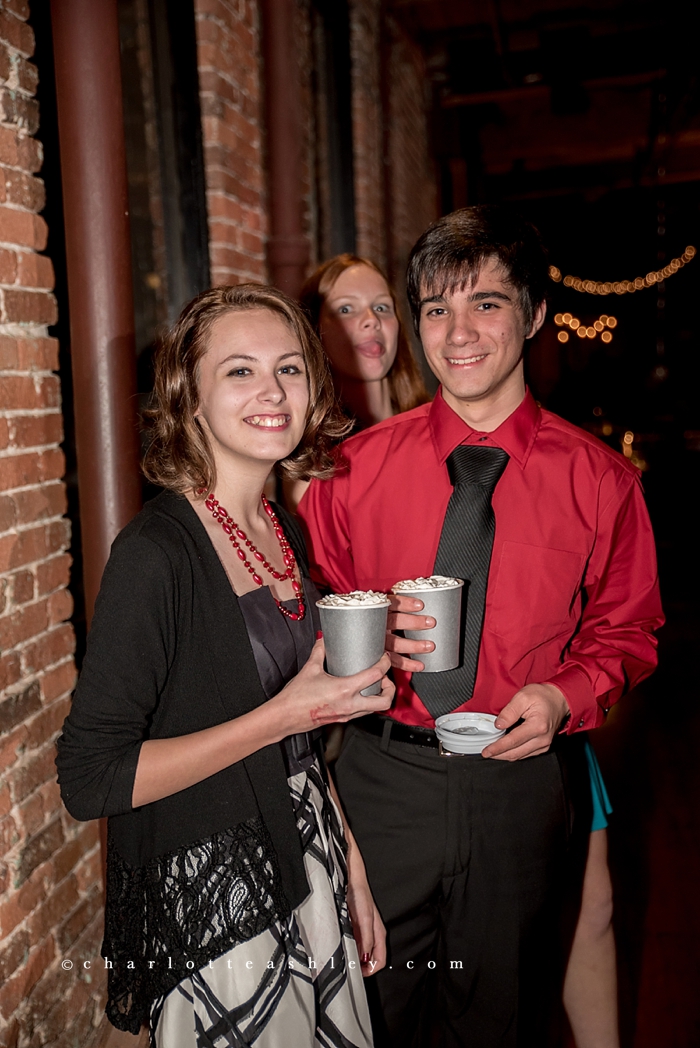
(468, 860)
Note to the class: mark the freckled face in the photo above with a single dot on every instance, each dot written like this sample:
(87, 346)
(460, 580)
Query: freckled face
(253, 388)
(473, 337)
(358, 324)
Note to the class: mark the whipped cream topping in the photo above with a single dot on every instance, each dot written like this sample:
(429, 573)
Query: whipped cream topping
(422, 583)
(356, 599)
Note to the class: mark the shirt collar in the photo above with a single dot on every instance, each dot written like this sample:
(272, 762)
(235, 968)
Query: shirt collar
(516, 435)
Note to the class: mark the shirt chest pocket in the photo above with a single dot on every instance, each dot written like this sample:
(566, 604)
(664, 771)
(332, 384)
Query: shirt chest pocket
(535, 594)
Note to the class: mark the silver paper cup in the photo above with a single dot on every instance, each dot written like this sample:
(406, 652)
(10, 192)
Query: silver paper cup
(445, 606)
(354, 639)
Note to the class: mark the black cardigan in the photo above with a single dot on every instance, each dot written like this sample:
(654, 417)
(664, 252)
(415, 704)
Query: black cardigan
(168, 654)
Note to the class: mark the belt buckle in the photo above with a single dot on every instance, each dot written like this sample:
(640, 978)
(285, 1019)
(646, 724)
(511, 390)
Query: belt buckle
(445, 753)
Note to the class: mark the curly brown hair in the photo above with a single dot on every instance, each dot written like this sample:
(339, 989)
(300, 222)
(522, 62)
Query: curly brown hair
(405, 383)
(178, 455)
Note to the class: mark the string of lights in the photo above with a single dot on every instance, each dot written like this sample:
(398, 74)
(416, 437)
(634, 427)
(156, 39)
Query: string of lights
(599, 327)
(623, 287)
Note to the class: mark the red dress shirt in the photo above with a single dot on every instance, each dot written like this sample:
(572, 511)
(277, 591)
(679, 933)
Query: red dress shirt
(572, 594)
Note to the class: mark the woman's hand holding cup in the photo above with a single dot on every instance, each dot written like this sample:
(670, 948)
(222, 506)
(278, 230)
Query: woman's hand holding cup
(314, 698)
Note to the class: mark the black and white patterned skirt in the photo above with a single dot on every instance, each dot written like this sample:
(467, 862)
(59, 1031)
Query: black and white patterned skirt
(296, 985)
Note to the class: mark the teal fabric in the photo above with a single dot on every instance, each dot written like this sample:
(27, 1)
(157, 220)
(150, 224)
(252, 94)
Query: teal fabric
(601, 802)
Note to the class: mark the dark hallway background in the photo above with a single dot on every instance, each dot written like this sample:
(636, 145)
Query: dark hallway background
(586, 118)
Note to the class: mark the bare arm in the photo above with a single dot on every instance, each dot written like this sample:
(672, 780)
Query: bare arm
(312, 698)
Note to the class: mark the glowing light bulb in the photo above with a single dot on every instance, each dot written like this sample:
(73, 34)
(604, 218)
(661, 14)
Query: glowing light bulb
(628, 437)
(598, 325)
(563, 336)
(566, 318)
(590, 332)
(581, 332)
(574, 323)
(558, 319)
(606, 336)
(612, 322)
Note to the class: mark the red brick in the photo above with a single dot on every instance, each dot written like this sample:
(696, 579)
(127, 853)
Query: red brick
(17, 470)
(32, 772)
(17, 109)
(4, 439)
(58, 681)
(77, 921)
(60, 902)
(8, 350)
(12, 954)
(15, 907)
(20, 985)
(30, 814)
(29, 621)
(37, 354)
(35, 504)
(24, 391)
(23, 548)
(5, 799)
(4, 584)
(8, 266)
(52, 647)
(30, 156)
(27, 74)
(18, 707)
(8, 834)
(5, 66)
(34, 430)
(45, 725)
(24, 190)
(17, 33)
(30, 307)
(20, 8)
(34, 270)
(8, 154)
(53, 573)
(38, 849)
(10, 673)
(22, 587)
(8, 546)
(20, 227)
(60, 607)
(90, 868)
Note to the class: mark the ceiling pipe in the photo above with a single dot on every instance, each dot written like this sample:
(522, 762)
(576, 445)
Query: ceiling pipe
(98, 256)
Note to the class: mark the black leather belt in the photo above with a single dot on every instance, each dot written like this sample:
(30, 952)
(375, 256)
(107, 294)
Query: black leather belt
(375, 725)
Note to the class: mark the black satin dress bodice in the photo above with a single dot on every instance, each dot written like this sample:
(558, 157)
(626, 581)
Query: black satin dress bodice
(281, 647)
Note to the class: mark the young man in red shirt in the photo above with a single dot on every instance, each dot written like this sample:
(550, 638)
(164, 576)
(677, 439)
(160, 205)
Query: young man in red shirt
(468, 857)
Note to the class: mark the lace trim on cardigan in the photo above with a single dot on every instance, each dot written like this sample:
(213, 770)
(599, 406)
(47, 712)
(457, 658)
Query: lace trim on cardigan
(172, 916)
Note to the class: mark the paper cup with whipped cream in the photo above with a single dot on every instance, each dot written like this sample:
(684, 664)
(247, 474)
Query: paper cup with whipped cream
(354, 630)
(442, 598)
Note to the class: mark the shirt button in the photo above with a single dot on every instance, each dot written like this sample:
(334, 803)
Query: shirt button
(483, 438)
(580, 724)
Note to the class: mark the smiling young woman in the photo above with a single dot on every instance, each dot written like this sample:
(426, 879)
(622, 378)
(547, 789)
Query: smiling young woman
(197, 718)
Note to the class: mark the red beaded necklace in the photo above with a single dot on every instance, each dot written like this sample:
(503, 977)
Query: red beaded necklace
(235, 533)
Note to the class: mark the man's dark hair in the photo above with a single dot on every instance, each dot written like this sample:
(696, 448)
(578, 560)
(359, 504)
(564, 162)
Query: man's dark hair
(452, 251)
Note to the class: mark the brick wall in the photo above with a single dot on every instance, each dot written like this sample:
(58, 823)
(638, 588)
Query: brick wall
(228, 49)
(49, 865)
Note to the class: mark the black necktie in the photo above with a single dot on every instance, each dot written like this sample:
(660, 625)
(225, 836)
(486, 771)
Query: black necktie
(464, 552)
